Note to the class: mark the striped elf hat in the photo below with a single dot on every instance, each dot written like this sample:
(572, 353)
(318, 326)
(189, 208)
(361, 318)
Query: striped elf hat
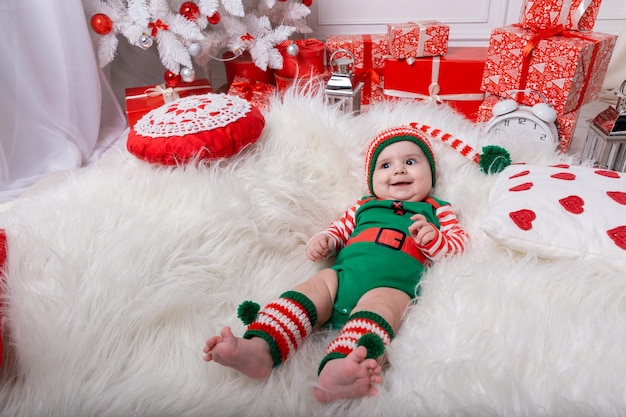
(393, 135)
(493, 159)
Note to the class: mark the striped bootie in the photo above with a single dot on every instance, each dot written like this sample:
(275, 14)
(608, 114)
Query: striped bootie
(283, 323)
(364, 328)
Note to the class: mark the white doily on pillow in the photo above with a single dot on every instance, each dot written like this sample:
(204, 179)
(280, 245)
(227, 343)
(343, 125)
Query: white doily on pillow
(192, 114)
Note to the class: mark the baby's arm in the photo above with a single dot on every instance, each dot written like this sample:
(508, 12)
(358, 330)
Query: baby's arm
(436, 243)
(421, 230)
(319, 247)
(330, 241)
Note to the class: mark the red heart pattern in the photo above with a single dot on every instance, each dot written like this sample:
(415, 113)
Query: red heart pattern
(618, 196)
(523, 218)
(573, 204)
(520, 174)
(609, 174)
(522, 187)
(618, 235)
(568, 176)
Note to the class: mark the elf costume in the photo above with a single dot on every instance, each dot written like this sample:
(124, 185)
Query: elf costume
(368, 238)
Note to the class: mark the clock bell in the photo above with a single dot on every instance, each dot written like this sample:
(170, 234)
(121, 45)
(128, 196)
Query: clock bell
(606, 139)
(343, 89)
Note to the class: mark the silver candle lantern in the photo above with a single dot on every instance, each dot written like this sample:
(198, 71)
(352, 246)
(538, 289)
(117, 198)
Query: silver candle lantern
(606, 139)
(342, 88)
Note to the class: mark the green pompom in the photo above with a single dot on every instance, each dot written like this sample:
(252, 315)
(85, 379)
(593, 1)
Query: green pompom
(247, 311)
(494, 159)
(373, 343)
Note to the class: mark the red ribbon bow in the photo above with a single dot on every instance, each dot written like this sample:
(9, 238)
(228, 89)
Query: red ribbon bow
(248, 89)
(527, 52)
(156, 25)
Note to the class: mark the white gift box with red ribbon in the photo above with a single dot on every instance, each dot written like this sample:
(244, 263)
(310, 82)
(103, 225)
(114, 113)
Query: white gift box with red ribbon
(418, 39)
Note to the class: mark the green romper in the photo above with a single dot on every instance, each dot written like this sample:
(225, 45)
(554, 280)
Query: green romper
(378, 260)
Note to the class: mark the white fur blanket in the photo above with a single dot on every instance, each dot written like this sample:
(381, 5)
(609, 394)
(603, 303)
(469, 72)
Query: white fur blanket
(118, 272)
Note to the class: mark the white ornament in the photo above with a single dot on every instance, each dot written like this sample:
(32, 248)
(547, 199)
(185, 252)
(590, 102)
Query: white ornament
(293, 49)
(187, 74)
(194, 49)
(145, 41)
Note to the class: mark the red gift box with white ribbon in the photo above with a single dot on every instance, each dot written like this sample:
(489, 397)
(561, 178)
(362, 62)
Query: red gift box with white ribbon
(370, 51)
(571, 14)
(453, 79)
(565, 123)
(140, 100)
(568, 67)
(418, 39)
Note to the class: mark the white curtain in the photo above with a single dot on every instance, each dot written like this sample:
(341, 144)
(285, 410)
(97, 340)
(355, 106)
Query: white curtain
(57, 110)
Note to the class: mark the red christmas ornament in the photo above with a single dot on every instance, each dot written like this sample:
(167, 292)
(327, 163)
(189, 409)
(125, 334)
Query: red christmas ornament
(101, 23)
(190, 10)
(171, 79)
(307, 3)
(214, 19)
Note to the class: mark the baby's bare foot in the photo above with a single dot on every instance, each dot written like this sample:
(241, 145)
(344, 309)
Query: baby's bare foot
(251, 357)
(349, 377)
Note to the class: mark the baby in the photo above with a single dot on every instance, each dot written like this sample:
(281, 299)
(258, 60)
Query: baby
(382, 245)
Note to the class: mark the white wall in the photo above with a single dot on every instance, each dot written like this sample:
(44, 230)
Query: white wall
(471, 21)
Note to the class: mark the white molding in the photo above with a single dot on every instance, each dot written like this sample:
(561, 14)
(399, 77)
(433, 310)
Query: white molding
(470, 25)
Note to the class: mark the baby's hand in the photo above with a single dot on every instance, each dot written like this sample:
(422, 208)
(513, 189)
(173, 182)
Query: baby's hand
(319, 247)
(421, 230)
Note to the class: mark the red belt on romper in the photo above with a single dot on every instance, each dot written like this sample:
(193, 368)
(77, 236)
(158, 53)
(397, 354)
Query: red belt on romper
(390, 238)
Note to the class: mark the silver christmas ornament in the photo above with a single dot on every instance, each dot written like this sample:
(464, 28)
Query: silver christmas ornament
(145, 41)
(187, 74)
(292, 49)
(194, 49)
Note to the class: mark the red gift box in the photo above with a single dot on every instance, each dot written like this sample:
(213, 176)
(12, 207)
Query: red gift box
(308, 61)
(454, 79)
(565, 123)
(571, 14)
(370, 51)
(140, 100)
(259, 94)
(244, 66)
(568, 68)
(418, 39)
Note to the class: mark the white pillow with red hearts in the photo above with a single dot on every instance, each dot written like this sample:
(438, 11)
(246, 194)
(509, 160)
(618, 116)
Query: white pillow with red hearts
(559, 211)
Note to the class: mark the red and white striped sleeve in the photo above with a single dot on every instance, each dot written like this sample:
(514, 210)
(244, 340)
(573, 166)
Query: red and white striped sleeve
(341, 229)
(451, 237)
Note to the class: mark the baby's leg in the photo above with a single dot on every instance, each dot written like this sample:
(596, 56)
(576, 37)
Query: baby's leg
(251, 357)
(350, 368)
(349, 377)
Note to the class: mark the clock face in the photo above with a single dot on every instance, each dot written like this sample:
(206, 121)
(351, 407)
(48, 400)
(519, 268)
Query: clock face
(520, 125)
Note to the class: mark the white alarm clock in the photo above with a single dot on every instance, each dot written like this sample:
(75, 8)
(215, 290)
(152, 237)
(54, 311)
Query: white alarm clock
(510, 119)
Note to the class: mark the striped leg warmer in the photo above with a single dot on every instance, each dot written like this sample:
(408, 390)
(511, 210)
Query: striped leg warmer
(364, 328)
(283, 323)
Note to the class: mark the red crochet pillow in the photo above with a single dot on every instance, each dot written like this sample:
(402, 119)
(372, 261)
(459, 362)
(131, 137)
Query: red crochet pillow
(207, 126)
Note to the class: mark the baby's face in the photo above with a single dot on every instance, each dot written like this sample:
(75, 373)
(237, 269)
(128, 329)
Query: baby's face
(402, 172)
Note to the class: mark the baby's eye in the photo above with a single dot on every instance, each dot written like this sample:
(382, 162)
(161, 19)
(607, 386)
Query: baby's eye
(385, 165)
(410, 162)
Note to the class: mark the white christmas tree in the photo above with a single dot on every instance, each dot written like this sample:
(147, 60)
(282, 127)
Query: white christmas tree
(198, 30)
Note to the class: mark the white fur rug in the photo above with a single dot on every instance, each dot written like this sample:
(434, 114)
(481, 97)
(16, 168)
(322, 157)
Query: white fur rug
(118, 272)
